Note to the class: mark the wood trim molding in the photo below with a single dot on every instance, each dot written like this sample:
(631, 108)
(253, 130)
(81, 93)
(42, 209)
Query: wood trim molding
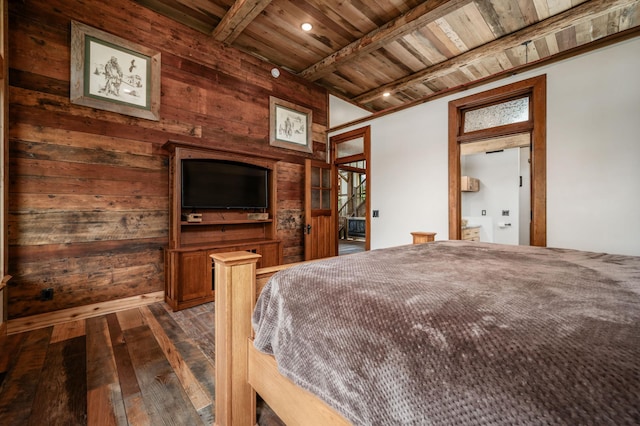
(364, 133)
(537, 88)
(4, 163)
(34, 322)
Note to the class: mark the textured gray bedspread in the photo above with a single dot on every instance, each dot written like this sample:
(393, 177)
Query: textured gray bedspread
(461, 333)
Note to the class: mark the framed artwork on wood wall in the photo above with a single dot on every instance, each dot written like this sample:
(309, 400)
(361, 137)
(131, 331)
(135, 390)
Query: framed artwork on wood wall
(290, 125)
(113, 74)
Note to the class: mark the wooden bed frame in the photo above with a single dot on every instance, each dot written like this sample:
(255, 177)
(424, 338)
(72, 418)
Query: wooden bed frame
(241, 370)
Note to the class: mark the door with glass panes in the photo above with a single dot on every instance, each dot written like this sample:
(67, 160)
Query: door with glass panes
(319, 227)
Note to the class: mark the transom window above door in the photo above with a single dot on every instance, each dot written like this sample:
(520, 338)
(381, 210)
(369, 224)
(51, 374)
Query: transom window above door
(350, 148)
(499, 114)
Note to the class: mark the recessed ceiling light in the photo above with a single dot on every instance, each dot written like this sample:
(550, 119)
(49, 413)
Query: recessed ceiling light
(275, 72)
(386, 94)
(306, 26)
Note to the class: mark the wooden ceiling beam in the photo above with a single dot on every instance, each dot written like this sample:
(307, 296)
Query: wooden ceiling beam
(532, 32)
(417, 17)
(237, 18)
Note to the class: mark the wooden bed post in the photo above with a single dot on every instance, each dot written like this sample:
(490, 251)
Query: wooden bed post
(235, 399)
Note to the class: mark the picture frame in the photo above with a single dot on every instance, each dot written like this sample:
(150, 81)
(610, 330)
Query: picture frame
(114, 74)
(290, 125)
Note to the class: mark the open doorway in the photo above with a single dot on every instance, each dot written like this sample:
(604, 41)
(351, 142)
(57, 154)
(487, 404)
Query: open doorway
(497, 209)
(350, 155)
(503, 104)
(352, 200)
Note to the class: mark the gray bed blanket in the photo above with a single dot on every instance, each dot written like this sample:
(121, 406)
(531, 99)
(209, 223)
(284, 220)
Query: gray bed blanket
(460, 333)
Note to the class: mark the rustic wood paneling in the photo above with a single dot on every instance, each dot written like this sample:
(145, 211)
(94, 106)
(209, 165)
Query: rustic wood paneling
(89, 198)
(291, 211)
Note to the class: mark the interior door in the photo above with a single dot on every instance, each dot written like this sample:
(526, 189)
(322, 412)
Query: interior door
(319, 228)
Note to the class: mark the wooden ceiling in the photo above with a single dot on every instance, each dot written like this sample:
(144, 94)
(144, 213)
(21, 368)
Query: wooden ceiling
(360, 49)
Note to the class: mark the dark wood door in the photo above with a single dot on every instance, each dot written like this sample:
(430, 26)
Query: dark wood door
(320, 230)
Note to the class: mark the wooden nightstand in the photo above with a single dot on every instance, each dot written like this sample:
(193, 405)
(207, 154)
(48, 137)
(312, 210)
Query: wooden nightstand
(423, 237)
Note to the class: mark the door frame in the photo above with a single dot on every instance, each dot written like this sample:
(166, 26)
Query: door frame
(4, 163)
(365, 134)
(536, 88)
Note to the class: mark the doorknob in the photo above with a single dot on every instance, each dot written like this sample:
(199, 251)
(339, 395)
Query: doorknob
(308, 229)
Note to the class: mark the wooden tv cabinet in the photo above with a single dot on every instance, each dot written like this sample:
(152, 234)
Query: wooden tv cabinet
(189, 277)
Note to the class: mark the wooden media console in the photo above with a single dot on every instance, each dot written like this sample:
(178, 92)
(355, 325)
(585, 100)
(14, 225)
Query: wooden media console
(195, 235)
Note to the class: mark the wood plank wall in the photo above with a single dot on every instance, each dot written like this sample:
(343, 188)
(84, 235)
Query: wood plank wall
(88, 202)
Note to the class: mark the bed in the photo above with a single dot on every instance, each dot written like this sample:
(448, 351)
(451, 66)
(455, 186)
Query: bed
(450, 332)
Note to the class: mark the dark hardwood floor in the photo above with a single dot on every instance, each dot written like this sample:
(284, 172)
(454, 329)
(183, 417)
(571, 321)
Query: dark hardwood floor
(143, 366)
(350, 246)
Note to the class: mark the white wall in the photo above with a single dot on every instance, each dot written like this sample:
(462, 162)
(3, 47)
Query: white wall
(593, 157)
(341, 112)
(498, 173)
(593, 153)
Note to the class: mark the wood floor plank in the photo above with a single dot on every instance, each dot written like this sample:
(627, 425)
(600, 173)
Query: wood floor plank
(9, 346)
(99, 409)
(130, 318)
(105, 404)
(101, 368)
(132, 397)
(61, 397)
(199, 324)
(163, 395)
(199, 365)
(68, 330)
(190, 349)
(198, 396)
(20, 384)
(129, 378)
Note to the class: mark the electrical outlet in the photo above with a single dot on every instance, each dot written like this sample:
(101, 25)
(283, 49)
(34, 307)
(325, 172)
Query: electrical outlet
(376, 213)
(46, 294)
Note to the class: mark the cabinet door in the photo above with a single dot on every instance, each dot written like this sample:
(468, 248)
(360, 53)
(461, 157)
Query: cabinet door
(211, 264)
(270, 254)
(194, 276)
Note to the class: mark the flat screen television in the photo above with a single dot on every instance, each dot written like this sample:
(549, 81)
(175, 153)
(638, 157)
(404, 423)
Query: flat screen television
(221, 184)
